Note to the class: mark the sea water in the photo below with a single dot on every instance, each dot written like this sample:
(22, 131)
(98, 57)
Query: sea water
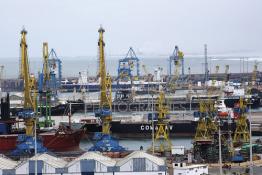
(71, 66)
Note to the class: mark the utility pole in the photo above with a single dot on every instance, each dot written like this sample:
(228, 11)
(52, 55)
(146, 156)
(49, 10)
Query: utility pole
(220, 151)
(153, 126)
(250, 142)
(35, 144)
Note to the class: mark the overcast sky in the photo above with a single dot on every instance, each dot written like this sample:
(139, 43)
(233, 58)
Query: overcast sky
(150, 26)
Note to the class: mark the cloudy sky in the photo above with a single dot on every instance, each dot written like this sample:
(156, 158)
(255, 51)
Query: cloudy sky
(152, 27)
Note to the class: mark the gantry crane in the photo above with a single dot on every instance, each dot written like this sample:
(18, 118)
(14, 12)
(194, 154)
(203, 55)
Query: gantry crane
(162, 143)
(104, 140)
(178, 58)
(128, 65)
(55, 65)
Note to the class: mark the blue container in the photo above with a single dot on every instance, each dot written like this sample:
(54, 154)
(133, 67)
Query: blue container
(3, 128)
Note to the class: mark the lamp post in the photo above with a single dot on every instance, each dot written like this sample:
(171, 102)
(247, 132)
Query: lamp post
(250, 142)
(35, 143)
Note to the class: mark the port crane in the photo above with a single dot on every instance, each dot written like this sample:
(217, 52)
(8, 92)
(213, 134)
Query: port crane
(55, 65)
(128, 67)
(162, 143)
(45, 91)
(204, 139)
(178, 58)
(128, 71)
(104, 141)
(241, 134)
(26, 142)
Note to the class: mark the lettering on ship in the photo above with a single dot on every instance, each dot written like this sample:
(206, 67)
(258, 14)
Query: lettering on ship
(150, 127)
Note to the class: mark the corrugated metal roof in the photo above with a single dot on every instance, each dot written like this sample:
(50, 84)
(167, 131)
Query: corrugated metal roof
(51, 160)
(107, 161)
(6, 163)
(141, 154)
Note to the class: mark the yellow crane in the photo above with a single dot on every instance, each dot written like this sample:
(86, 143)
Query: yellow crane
(206, 127)
(204, 140)
(241, 134)
(178, 57)
(254, 74)
(29, 83)
(45, 62)
(161, 140)
(105, 87)
(104, 140)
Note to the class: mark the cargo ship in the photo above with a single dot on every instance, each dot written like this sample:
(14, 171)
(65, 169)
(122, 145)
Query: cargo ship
(55, 140)
(122, 102)
(123, 130)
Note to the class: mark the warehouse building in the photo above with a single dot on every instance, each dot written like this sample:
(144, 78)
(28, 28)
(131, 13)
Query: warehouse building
(140, 162)
(7, 166)
(92, 162)
(46, 164)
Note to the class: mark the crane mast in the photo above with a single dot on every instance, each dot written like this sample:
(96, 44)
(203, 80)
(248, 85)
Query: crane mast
(161, 139)
(105, 87)
(45, 61)
(28, 101)
(104, 141)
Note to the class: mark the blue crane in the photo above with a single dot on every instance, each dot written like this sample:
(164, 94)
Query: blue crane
(177, 57)
(128, 67)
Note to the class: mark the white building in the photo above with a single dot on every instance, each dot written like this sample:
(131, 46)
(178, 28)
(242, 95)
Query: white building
(141, 163)
(92, 162)
(178, 150)
(7, 166)
(46, 164)
(183, 169)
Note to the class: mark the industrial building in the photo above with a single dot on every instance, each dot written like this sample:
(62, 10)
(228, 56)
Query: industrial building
(46, 164)
(7, 166)
(92, 162)
(142, 163)
(137, 162)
